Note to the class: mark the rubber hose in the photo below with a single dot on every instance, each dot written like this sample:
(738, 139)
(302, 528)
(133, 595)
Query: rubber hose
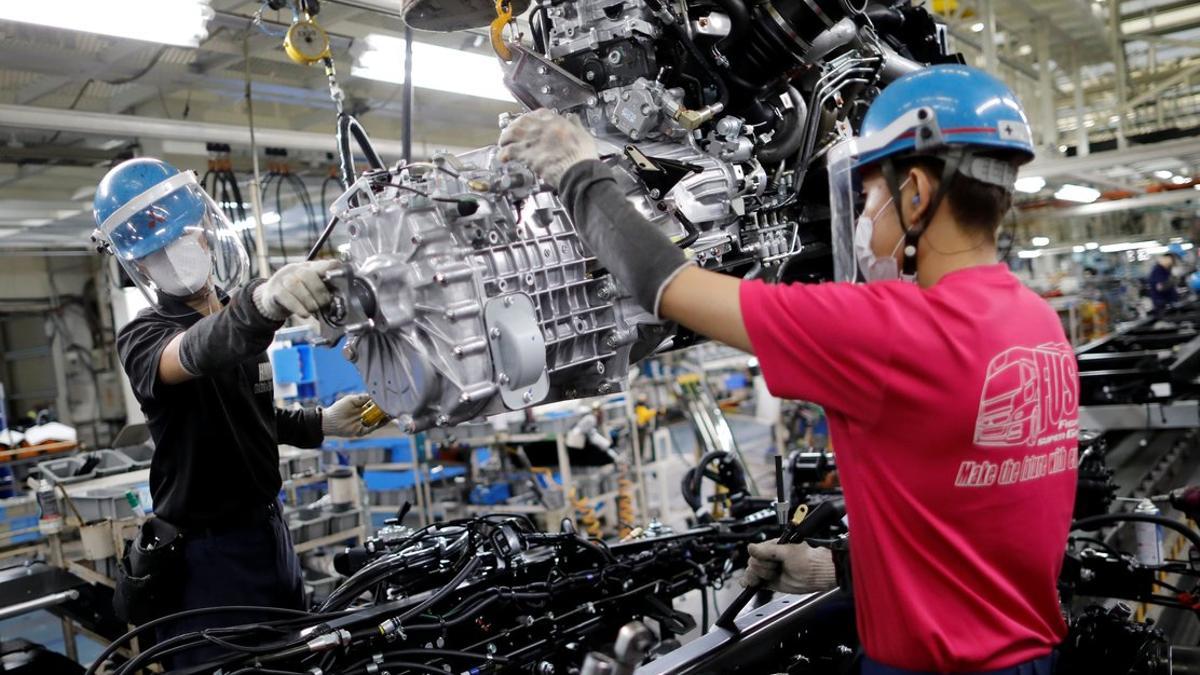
(348, 126)
(739, 23)
(789, 132)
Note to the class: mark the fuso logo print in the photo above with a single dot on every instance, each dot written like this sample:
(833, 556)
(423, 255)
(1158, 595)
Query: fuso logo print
(1030, 401)
(1029, 393)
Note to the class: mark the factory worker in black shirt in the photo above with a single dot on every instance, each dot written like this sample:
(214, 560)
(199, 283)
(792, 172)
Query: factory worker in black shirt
(197, 363)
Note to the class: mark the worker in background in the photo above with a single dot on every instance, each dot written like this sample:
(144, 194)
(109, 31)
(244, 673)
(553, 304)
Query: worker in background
(950, 388)
(1160, 284)
(196, 360)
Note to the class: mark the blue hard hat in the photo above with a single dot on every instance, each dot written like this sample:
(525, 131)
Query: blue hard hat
(149, 229)
(1176, 250)
(970, 107)
(1193, 281)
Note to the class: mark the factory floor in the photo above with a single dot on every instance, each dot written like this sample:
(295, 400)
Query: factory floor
(43, 628)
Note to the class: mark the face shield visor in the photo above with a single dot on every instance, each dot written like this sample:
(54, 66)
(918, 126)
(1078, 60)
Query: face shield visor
(845, 205)
(175, 243)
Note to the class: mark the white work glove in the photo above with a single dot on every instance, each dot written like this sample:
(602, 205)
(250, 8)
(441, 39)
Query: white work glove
(297, 288)
(344, 417)
(790, 568)
(547, 143)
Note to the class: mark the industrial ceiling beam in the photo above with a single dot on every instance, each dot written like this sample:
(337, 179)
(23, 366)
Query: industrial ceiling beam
(1146, 201)
(1099, 161)
(127, 126)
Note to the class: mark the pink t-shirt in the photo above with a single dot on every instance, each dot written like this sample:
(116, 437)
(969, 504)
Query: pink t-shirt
(953, 413)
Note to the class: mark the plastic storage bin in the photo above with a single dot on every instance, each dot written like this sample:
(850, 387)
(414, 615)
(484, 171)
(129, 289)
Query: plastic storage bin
(68, 470)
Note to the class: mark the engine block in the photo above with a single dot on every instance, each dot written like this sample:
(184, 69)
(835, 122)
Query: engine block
(468, 291)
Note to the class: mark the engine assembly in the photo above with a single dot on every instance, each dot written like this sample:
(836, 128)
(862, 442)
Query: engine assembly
(467, 290)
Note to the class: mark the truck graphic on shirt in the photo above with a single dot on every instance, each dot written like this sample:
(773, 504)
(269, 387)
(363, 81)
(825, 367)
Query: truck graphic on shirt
(1029, 392)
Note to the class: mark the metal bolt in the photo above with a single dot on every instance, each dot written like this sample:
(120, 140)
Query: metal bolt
(591, 99)
(625, 96)
(494, 333)
(655, 193)
(545, 89)
(491, 648)
(604, 388)
(350, 353)
(600, 367)
(527, 396)
(508, 301)
(542, 70)
(610, 341)
(503, 378)
(442, 420)
(604, 292)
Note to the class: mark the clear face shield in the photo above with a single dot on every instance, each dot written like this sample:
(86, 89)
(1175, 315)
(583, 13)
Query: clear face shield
(845, 205)
(175, 243)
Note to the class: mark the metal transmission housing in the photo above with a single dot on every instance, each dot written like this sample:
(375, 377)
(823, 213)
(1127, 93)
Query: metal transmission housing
(468, 291)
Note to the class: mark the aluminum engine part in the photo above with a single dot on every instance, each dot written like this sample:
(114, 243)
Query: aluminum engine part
(467, 290)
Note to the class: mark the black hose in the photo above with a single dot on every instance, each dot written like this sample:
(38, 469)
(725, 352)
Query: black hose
(789, 131)
(279, 214)
(347, 126)
(116, 644)
(1096, 522)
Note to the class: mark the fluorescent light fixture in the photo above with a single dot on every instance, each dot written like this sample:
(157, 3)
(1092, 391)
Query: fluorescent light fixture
(1180, 180)
(1163, 174)
(170, 22)
(434, 67)
(271, 218)
(1077, 193)
(1196, 186)
(1063, 148)
(1186, 247)
(1028, 254)
(1030, 184)
(977, 27)
(1024, 50)
(35, 222)
(1088, 124)
(1091, 246)
(1078, 249)
(1040, 241)
(1128, 246)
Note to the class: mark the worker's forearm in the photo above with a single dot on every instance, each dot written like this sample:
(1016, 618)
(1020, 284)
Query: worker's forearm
(299, 427)
(222, 340)
(636, 252)
(709, 304)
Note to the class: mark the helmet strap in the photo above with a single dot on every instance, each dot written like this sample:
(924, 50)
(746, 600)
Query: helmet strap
(953, 159)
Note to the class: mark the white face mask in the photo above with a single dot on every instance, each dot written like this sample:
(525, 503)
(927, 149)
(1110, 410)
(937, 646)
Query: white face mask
(873, 267)
(182, 268)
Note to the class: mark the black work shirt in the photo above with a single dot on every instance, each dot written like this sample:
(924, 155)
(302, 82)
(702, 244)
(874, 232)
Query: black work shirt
(216, 436)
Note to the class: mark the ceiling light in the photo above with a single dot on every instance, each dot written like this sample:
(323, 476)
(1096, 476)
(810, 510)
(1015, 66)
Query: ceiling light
(1091, 246)
(34, 222)
(1030, 184)
(1128, 246)
(1040, 241)
(1024, 50)
(1088, 124)
(977, 27)
(434, 67)
(1077, 193)
(1078, 249)
(1180, 180)
(169, 22)
(1163, 174)
(1028, 254)
(271, 218)
(1063, 148)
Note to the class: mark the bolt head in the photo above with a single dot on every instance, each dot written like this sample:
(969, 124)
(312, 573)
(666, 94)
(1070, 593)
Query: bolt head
(546, 89)
(494, 333)
(527, 396)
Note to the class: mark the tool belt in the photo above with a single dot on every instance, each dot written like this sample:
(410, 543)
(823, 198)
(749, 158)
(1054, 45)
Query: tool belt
(150, 573)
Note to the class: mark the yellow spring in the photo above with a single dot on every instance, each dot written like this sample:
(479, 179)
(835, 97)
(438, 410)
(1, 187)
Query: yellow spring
(585, 515)
(626, 515)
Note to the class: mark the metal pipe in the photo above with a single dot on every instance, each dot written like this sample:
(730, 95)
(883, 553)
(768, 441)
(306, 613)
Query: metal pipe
(407, 103)
(38, 603)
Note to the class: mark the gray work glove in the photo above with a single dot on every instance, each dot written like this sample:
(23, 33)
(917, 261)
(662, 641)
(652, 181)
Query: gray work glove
(547, 143)
(297, 288)
(343, 418)
(790, 568)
